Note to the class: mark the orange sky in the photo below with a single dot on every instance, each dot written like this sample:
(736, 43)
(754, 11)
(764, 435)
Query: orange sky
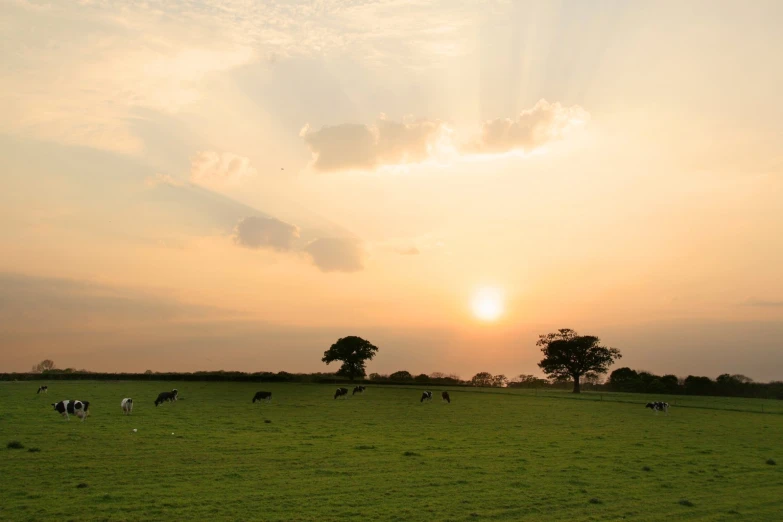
(234, 185)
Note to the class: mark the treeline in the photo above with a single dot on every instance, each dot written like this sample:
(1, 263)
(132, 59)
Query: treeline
(622, 380)
(726, 385)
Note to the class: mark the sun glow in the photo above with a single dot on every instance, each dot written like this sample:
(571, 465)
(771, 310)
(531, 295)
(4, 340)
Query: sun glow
(487, 304)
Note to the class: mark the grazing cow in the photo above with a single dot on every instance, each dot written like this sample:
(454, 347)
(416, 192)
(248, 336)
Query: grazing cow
(358, 389)
(78, 408)
(658, 406)
(167, 396)
(262, 396)
(43, 389)
(445, 396)
(426, 396)
(127, 406)
(341, 392)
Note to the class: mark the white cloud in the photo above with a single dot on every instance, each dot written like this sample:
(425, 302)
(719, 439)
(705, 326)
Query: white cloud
(219, 171)
(365, 147)
(337, 254)
(351, 146)
(530, 130)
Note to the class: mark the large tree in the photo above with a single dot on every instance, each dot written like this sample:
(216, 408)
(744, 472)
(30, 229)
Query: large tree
(44, 366)
(568, 354)
(353, 352)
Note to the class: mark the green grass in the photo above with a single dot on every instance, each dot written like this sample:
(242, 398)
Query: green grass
(490, 455)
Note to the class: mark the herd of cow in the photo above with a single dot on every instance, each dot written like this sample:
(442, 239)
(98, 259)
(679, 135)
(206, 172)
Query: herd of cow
(80, 408)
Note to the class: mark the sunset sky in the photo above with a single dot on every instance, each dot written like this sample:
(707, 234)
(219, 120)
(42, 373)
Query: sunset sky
(204, 185)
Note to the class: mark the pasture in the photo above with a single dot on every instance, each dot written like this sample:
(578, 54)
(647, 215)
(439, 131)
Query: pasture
(490, 455)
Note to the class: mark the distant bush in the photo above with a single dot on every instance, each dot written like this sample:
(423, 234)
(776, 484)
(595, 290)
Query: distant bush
(15, 444)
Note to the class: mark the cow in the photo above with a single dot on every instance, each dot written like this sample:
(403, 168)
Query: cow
(78, 408)
(445, 396)
(341, 392)
(262, 396)
(658, 406)
(358, 389)
(43, 389)
(426, 396)
(127, 406)
(167, 396)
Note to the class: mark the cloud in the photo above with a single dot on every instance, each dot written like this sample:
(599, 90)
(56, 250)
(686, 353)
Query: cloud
(219, 171)
(365, 147)
(532, 129)
(263, 232)
(763, 303)
(337, 254)
(352, 146)
(161, 179)
(102, 64)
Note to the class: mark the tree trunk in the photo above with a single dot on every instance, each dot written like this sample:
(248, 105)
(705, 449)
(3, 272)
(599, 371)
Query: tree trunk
(576, 384)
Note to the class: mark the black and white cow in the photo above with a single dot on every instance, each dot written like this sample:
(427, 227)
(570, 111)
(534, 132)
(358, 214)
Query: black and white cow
(358, 389)
(341, 392)
(262, 396)
(127, 406)
(167, 396)
(43, 389)
(426, 396)
(78, 408)
(658, 406)
(445, 396)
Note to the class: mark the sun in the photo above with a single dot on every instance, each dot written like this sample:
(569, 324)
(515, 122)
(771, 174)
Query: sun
(487, 304)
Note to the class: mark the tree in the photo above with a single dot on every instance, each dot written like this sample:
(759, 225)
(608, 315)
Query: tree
(353, 352)
(482, 379)
(44, 366)
(422, 377)
(499, 381)
(568, 354)
(401, 375)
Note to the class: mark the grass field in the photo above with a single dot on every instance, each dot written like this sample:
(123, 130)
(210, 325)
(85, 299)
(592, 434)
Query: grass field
(503, 455)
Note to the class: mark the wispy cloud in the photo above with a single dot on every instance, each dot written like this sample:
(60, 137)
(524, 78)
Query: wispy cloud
(76, 72)
(161, 179)
(763, 303)
(220, 171)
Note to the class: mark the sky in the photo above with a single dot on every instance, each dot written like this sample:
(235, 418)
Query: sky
(205, 185)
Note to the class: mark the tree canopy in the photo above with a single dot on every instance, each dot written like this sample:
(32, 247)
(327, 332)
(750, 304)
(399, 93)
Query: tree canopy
(568, 354)
(353, 352)
(44, 366)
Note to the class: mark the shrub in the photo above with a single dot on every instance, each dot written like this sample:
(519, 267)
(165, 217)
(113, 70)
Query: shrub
(15, 444)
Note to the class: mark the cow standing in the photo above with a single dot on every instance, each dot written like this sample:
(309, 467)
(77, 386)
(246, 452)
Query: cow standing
(167, 396)
(658, 406)
(127, 406)
(43, 389)
(78, 408)
(341, 392)
(358, 389)
(262, 396)
(426, 396)
(445, 397)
